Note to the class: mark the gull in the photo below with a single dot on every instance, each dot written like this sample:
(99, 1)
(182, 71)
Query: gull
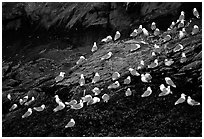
(128, 92)
(134, 72)
(181, 24)
(29, 102)
(9, 96)
(146, 77)
(147, 93)
(116, 84)
(81, 80)
(94, 48)
(145, 32)
(172, 25)
(105, 98)
(182, 16)
(165, 91)
(192, 102)
(167, 38)
(195, 30)
(178, 48)
(96, 91)
(107, 39)
(156, 32)
(182, 33)
(21, 102)
(93, 101)
(81, 60)
(168, 62)
(57, 99)
(28, 113)
(181, 99)
(96, 78)
(107, 56)
(153, 64)
(13, 107)
(71, 123)
(77, 106)
(134, 47)
(117, 35)
(61, 106)
(115, 76)
(183, 57)
(134, 33)
(41, 108)
(153, 26)
(25, 98)
(72, 102)
(139, 30)
(195, 13)
(60, 77)
(86, 98)
(170, 82)
(127, 80)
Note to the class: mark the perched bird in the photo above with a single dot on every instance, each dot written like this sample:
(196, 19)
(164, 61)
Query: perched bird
(28, 113)
(181, 24)
(195, 30)
(117, 35)
(25, 98)
(170, 82)
(134, 33)
(71, 123)
(94, 100)
(183, 57)
(134, 47)
(139, 30)
(127, 80)
(146, 77)
(115, 76)
(72, 102)
(147, 93)
(105, 98)
(178, 48)
(96, 91)
(167, 38)
(78, 106)
(107, 56)
(86, 98)
(182, 16)
(96, 78)
(134, 72)
(172, 25)
(9, 96)
(145, 32)
(30, 101)
(128, 92)
(57, 99)
(182, 33)
(192, 102)
(94, 48)
(116, 84)
(153, 26)
(165, 91)
(153, 64)
(81, 80)
(156, 32)
(168, 62)
(153, 53)
(81, 60)
(195, 13)
(61, 106)
(21, 102)
(60, 77)
(40, 108)
(13, 107)
(107, 39)
(181, 99)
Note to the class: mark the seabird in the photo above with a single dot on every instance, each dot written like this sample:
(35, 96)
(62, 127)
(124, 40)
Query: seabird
(170, 82)
(77, 106)
(195, 13)
(107, 39)
(13, 107)
(96, 91)
(145, 32)
(105, 98)
(172, 25)
(147, 93)
(117, 35)
(181, 99)
(167, 38)
(94, 48)
(127, 80)
(59, 107)
(28, 113)
(165, 91)
(192, 102)
(134, 33)
(128, 92)
(9, 96)
(183, 57)
(146, 77)
(195, 30)
(72, 102)
(153, 64)
(178, 48)
(115, 76)
(107, 56)
(182, 16)
(182, 33)
(116, 84)
(60, 77)
(81, 60)
(94, 100)
(139, 30)
(40, 108)
(71, 123)
(134, 72)
(156, 32)
(134, 47)
(168, 62)
(81, 80)
(30, 101)
(86, 98)
(153, 26)
(96, 78)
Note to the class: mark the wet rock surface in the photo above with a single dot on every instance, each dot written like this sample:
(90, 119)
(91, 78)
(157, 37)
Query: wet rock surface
(32, 72)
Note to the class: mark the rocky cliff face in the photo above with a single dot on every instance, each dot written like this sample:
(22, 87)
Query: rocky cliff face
(49, 38)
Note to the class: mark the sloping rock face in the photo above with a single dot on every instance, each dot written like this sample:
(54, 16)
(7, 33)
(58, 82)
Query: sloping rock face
(32, 71)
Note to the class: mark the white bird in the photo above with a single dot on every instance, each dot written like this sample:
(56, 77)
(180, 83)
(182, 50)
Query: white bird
(72, 102)
(139, 30)
(146, 77)
(167, 38)
(21, 102)
(96, 91)
(178, 48)
(81, 60)
(28, 113)
(78, 106)
(183, 57)
(127, 80)
(107, 39)
(81, 80)
(94, 48)
(134, 72)
(145, 32)
(13, 107)
(40, 108)
(9, 96)
(170, 82)
(182, 33)
(162, 87)
(172, 24)
(182, 16)
(181, 99)
(94, 100)
(96, 78)
(117, 35)
(181, 24)
(156, 32)
(86, 98)
(105, 98)
(134, 33)
(153, 64)
(60, 77)
(116, 84)
(29, 102)
(115, 76)
(165, 91)
(61, 106)
(128, 92)
(153, 53)
(107, 56)
(168, 62)
(192, 102)
(25, 98)
(195, 13)
(71, 123)
(134, 47)
(195, 30)
(147, 93)
(153, 26)
(57, 99)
